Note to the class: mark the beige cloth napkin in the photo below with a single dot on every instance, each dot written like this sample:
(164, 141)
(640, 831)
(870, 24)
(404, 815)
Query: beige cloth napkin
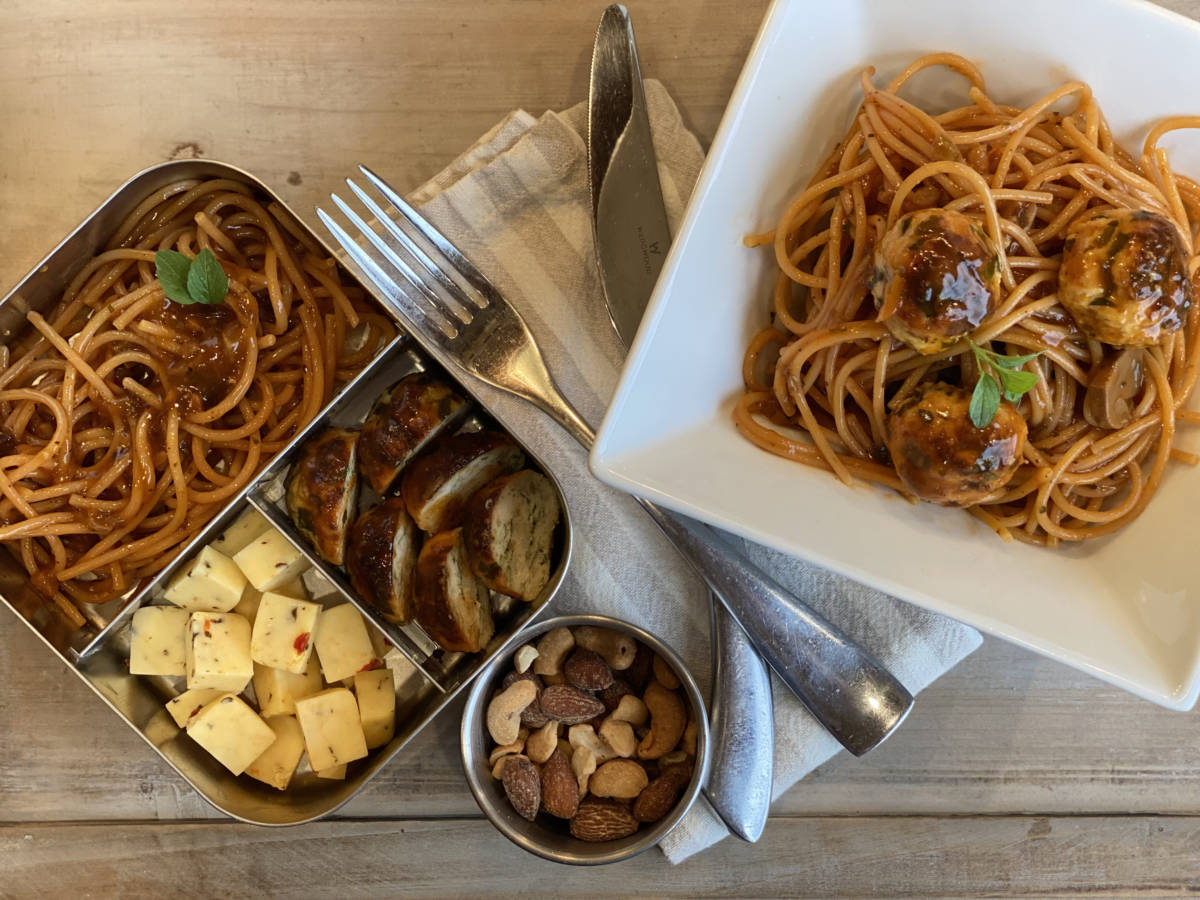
(517, 204)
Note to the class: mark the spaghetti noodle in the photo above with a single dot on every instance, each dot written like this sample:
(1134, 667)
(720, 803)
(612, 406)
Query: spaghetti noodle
(1109, 339)
(129, 420)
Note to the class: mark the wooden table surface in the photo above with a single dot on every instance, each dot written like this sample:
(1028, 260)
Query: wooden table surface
(1013, 776)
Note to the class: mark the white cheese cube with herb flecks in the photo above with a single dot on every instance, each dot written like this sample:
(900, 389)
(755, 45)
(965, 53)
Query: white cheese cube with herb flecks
(218, 652)
(343, 644)
(232, 732)
(333, 734)
(248, 605)
(244, 529)
(283, 631)
(187, 704)
(270, 561)
(376, 697)
(277, 691)
(277, 764)
(333, 773)
(211, 583)
(157, 639)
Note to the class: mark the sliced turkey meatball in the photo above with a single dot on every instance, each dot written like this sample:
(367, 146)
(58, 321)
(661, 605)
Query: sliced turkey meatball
(941, 456)
(937, 276)
(1124, 276)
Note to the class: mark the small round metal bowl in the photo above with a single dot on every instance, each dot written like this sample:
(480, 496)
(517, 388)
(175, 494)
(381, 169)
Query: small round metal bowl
(546, 836)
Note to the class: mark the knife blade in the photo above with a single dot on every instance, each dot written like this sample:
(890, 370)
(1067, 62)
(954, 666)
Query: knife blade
(632, 235)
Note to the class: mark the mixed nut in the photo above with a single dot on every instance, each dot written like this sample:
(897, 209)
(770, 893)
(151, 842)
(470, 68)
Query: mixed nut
(591, 727)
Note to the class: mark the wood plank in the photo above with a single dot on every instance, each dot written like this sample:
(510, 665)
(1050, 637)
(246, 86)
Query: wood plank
(300, 92)
(1131, 856)
(1006, 732)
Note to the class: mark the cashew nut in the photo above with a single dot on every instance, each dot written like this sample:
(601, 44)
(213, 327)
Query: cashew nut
(552, 649)
(631, 709)
(498, 766)
(689, 737)
(585, 736)
(617, 648)
(622, 779)
(583, 764)
(524, 658)
(542, 743)
(504, 712)
(664, 673)
(618, 735)
(505, 749)
(668, 718)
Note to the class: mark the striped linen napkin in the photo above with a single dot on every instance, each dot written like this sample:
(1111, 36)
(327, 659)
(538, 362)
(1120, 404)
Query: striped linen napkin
(517, 204)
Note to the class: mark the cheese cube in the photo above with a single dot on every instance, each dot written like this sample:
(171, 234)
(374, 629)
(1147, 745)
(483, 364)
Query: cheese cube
(251, 598)
(283, 630)
(376, 705)
(244, 529)
(187, 704)
(218, 652)
(232, 732)
(277, 691)
(157, 640)
(332, 731)
(270, 561)
(277, 764)
(343, 645)
(333, 773)
(212, 583)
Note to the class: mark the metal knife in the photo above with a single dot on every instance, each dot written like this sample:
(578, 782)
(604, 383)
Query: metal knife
(632, 237)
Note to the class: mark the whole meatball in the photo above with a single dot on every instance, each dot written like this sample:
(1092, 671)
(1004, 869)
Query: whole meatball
(941, 456)
(939, 274)
(1124, 277)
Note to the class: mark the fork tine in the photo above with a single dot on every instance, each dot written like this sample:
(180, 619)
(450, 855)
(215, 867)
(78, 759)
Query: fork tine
(385, 282)
(400, 264)
(464, 266)
(447, 283)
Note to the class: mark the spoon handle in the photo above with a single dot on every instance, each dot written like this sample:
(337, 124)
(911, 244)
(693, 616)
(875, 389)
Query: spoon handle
(742, 729)
(849, 691)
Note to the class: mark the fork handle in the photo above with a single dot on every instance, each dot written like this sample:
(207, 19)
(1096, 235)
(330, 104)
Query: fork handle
(850, 693)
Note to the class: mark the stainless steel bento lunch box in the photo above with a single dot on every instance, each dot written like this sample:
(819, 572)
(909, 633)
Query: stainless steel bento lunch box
(98, 653)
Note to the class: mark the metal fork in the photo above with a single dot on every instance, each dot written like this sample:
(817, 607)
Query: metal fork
(460, 318)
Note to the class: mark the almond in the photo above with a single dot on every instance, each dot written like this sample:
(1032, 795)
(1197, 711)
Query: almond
(638, 674)
(569, 705)
(659, 797)
(602, 820)
(523, 785)
(588, 671)
(560, 787)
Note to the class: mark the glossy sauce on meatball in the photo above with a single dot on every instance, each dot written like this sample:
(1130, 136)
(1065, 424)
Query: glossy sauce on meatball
(941, 456)
(1124, 277)
(936, 278)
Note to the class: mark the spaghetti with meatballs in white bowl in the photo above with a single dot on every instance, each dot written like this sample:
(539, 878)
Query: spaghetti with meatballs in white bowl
(988, 308)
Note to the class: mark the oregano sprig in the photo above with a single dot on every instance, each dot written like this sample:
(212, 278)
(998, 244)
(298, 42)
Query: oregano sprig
(999, 375)
(199, 280)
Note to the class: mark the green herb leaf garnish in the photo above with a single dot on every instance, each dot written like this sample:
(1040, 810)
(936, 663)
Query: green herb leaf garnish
(199, 280)
(984, 401)
(999, 375)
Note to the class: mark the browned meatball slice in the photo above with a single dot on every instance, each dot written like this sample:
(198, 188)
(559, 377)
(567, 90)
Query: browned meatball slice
(322, 490)
(937, 277)
(1124, 277)
(941, 456)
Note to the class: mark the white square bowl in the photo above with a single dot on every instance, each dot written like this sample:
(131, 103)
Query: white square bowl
(1122, 608)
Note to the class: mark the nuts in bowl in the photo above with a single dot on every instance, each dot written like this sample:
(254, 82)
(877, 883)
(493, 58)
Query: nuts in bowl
(588, 743)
